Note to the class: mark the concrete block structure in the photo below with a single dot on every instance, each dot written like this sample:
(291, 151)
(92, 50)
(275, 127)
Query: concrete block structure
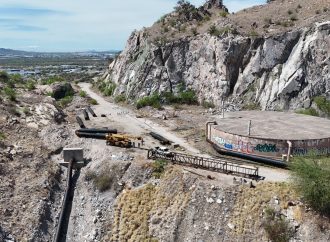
(272, 135)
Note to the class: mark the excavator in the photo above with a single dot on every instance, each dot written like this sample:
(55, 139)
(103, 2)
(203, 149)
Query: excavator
(111, 137)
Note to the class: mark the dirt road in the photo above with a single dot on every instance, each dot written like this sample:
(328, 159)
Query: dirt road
(131, 124)
(128, 121)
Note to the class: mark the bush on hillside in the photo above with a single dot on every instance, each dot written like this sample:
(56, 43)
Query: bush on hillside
(10, 93)
(311, 178)
(323, 104)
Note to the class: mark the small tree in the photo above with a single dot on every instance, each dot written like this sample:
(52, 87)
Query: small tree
(311, 178)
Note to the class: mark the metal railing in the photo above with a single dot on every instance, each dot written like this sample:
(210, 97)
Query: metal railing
(212, 164)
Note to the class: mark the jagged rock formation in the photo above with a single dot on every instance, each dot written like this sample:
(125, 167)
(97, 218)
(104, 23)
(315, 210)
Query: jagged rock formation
(284, 71)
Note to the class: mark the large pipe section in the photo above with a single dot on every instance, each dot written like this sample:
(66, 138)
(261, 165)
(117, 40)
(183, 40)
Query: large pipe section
(80, 122)
(91, 135)
(162, 139)
(91, 111)
(107, 131)
(85, 114)
(58, 233)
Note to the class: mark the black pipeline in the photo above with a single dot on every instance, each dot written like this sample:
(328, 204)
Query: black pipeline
(91, 111)
(85, 114)
(162, 139)
(112, 131)
(80, 122)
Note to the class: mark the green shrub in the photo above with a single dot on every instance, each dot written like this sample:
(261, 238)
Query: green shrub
(317, 11)
(30, 85)
(158, 167)
(153, 101)
(26, 111)
(323, 104)
(82, 93)
(52, 80)
(207, 104)
(188, 97)
(290, 12)
(213, 30)
(103, 182)
(251, 106)
(107, 89)
(120, 98)
(4, 77)
(10, 93)
(308, 111)
(65, 101)
(92, 101)
(223, 14)
(311, 178)
(276, 227)
(50, 94)
(16, 78)
(2, 136)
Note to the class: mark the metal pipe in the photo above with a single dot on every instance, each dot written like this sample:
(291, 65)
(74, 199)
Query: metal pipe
(289, 150)
(85, 114)
(104, 130)
(91, 135)
(162, 139)
(80, 122)
(91, 111)
(58, 233)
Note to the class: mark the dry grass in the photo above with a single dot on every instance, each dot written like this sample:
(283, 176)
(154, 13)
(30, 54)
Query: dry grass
(251, 203)
(136, 208)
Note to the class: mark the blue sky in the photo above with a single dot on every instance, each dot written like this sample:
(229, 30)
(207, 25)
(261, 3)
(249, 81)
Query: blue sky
(79, 25)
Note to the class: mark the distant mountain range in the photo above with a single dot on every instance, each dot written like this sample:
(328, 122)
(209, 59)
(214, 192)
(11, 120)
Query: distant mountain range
(20, 53)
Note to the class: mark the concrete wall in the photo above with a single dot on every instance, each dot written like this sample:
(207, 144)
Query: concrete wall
(270, 148)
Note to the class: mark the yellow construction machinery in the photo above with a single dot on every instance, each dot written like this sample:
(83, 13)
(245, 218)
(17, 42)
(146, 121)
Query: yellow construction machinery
(124, 140)
(111, 137)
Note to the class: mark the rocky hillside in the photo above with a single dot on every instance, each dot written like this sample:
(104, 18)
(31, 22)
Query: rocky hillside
(275, 56)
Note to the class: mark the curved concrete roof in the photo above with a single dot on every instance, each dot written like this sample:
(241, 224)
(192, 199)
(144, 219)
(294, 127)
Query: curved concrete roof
(275, 125)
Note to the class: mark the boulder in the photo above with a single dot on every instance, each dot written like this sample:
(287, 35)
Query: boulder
(61, 90)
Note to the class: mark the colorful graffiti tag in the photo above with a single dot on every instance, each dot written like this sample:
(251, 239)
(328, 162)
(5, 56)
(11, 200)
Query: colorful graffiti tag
(246, 147)
(266, 148)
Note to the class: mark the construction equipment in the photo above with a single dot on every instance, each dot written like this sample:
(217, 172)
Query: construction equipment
(123, 140)
(111, 137)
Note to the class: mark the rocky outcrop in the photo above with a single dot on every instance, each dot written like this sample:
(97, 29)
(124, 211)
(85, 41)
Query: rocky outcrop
(61, 90)
(279, 72)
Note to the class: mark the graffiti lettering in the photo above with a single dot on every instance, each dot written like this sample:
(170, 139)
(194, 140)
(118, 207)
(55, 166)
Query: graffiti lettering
(312, 151)
(266, 148)
(228, 146)
(244, 147)
(219, 140)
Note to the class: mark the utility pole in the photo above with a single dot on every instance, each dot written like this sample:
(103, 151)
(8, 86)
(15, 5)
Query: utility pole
(223, 107)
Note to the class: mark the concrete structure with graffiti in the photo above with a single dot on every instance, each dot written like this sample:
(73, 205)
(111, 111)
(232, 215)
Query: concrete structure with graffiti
(273, 135)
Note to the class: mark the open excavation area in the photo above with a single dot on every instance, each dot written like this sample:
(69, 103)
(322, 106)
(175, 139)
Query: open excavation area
(208, 126)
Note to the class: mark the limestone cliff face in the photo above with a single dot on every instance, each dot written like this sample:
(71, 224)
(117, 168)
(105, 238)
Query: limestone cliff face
(279, 72)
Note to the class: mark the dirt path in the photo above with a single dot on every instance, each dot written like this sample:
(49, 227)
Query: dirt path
(131, 124)
(128, 121)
